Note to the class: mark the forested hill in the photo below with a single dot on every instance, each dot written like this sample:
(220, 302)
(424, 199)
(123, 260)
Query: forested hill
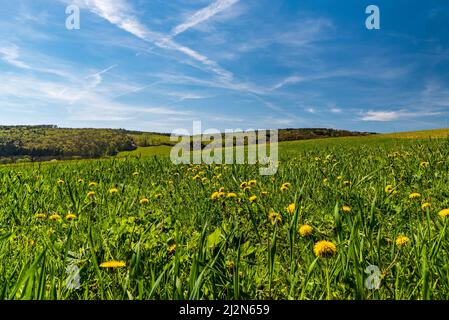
(47, 142)
(317, 133)
(43, 142)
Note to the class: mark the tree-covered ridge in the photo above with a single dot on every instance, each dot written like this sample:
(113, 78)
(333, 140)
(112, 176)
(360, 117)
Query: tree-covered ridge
(46, 142)
(317, 133)
(49, 141)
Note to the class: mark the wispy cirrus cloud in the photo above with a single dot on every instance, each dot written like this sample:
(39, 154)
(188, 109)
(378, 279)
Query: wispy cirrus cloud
(93, 105)
(96, 78)
(203, 15)
(121, 14)
(9, 53)
(287, 81)
(385, 116)
(30, 61)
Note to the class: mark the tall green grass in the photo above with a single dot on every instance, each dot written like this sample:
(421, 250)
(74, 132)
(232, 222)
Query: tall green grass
(185, 245)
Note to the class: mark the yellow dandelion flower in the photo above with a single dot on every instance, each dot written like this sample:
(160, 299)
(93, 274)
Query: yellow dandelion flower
(205, 180)
(144, 201)
(91, 194)
(40, 216)
(158, 196)
(326, 181)
(230, 264)
(55, 217)
(222, 189)
(264, 193)
(346, 209)
(246, 189)
(424, 164)
(113, 191)
(340, 178)
(443, 213)
(287, 185)
(324, 249)
(171, 249)
(291, 208)
(217, 194)
(221, 194)
(113, 264)
(252, 183)
(60, 182)
(425, 205)
(305, 230)
(414, 195)
(243, 185)
(197, 177)
(253, 199)
(284, 188)
(71, 216)
(402, 241)
(347, 183)
(232, 195)
(136, 173)
(214, 195)
(274, 218)
(93, 184)
(80, 181)
(389, 188)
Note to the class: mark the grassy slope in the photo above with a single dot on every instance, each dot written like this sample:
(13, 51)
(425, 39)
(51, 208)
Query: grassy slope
(424, 134)
(146, 152)
(291, 147)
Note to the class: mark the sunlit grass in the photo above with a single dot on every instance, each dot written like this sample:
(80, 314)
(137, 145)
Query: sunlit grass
(198, 232)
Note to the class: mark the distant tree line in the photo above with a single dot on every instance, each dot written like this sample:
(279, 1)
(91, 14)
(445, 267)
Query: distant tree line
(316, 133)
(37, 142)
(46, 142)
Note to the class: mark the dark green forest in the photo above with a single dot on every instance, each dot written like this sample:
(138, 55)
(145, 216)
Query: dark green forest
(48, 142)
(34, 143)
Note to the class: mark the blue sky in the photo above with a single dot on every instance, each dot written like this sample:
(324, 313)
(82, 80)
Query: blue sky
(157, 65)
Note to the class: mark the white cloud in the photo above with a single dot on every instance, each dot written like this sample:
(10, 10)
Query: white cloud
(91, 82)
(25, 16)
(385, 116)
(212, 65)
(203, 15)
(18, 90)
(120, 13)
(311, 110)
(335, 110)
(381, 116)
(10, 54)
(97, 78)
(287, 81)
(182, 96)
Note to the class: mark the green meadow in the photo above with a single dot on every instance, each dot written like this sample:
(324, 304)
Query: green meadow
(136, 226)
